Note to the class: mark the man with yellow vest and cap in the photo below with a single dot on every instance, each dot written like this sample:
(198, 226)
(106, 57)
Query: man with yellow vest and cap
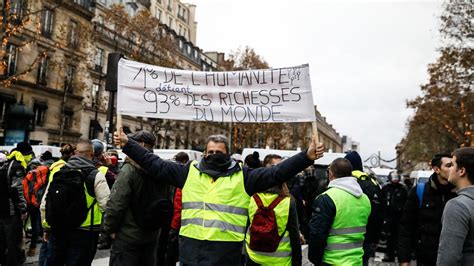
(216, 194)
(77, 246)
(339, 219)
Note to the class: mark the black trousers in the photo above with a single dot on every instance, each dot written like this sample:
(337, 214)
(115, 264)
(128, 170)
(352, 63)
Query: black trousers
(11, 237)
(71, 248)
(126, 254)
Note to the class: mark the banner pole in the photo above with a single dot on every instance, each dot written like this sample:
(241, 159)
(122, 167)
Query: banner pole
(119, 123)
(315, 130)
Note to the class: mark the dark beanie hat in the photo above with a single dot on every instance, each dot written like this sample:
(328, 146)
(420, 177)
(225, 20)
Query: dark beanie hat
(143, 136)
(355, 160)
(46, 156)
(24, 148)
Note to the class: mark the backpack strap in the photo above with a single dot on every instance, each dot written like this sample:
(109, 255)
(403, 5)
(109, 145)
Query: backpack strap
(258, 201)
(420, 189)
(272, 205)
(275, 202)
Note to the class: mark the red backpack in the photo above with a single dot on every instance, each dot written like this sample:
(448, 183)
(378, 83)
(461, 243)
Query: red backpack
(264, 229)
(34, 185)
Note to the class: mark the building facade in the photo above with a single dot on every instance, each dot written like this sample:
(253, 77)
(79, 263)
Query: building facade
(65, 68)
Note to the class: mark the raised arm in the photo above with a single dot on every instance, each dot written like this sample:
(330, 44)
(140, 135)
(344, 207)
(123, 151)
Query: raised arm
(167, 171)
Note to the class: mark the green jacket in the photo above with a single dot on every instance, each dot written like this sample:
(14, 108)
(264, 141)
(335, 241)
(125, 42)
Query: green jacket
(118, 215)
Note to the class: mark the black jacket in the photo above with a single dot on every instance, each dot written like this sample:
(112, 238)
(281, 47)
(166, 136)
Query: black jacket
(394, 196)
(197, 252)
(12, 200)
(420, 227)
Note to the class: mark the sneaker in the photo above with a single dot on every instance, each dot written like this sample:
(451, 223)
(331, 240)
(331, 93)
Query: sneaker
(31, 252)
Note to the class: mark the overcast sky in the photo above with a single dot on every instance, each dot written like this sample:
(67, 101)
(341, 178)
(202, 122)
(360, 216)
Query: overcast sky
(366, 57)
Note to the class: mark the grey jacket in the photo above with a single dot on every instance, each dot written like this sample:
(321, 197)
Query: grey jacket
(456, 245)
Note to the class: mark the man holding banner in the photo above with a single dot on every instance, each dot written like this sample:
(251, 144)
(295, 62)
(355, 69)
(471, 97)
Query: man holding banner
(216, 190)
(216, 193)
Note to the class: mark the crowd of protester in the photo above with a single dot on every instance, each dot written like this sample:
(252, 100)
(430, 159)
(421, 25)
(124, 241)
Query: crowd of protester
(221, 210)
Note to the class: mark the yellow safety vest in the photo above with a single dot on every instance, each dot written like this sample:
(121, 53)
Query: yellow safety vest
(214, 210)
(346, 237)
(55, 167)
(282, 256)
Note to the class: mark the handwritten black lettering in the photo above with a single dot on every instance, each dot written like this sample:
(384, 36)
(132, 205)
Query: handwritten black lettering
(192, 79)
(282, 74)
(295, 93)
(274, 113)
(275, 96)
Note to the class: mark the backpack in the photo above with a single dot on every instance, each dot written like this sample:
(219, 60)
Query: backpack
(151, 209)
(5, 188)
(370, 187)
(66, 204)
(264, 229)
(420, 189)
(34, 185)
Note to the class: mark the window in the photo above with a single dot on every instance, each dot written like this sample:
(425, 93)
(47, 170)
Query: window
(182, 13)
(170, 23)
(180, 44)
(196, 54)
(68, 118)
(39, 109)
(68, 81)
(5, 102)
(47, 23)
(42, 71)
(95, 93)
(83, 3)
(73, 38)
(170, 5)
(188, 49)
(180, 29)
(185, 33)
(17, 7)
(11, 59)
(99, 54)
(159, 14)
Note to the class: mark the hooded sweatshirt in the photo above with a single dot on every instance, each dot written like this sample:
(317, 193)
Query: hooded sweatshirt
(456, 243)
(96, 187)
(324, 211)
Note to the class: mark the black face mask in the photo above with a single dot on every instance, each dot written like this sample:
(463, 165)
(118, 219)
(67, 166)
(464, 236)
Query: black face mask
(218, 161)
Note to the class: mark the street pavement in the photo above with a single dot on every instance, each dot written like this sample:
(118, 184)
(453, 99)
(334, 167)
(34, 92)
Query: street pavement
(102, 258)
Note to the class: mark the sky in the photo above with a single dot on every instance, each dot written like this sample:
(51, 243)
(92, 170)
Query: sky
(366, 58)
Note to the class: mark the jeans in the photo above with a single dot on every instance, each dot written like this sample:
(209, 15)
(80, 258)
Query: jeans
(75, 247)
(36, 228)
(126, 254)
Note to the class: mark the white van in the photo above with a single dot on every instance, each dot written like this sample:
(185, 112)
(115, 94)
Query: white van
(323, 161)
(37, 149)
(168, 154)
(420, 176)
(382, 173)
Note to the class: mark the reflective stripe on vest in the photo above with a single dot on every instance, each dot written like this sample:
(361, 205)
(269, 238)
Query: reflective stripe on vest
(346, 237)
(282, 256)
(215, 207)
(214, 210)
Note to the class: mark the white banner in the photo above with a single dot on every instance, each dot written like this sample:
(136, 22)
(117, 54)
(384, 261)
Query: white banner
(271, 95)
